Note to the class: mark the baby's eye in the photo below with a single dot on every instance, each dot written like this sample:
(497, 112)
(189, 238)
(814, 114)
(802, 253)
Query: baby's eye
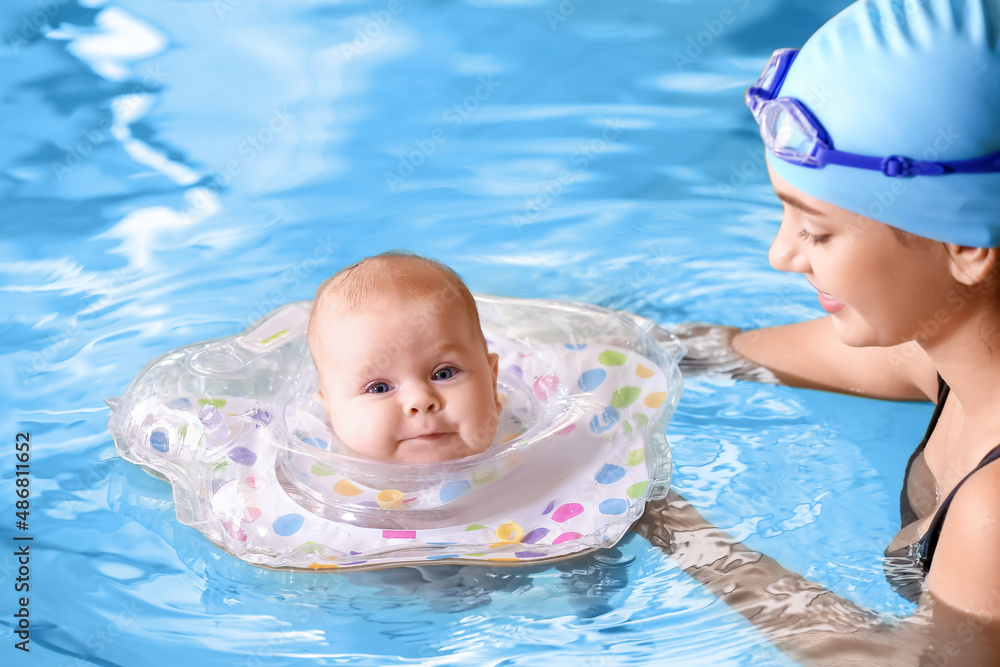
(446, 373)
(377, 388)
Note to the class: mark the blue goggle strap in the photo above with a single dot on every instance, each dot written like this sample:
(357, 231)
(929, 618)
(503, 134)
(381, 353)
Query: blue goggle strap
(900, 167)
(822, 153)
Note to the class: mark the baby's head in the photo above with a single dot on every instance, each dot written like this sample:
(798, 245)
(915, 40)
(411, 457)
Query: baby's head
(404, 370)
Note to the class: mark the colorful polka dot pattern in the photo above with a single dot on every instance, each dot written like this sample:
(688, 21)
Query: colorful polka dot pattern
(613, 489)
(258, 519)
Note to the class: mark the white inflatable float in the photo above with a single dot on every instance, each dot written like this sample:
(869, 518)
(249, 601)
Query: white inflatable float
(586, 395)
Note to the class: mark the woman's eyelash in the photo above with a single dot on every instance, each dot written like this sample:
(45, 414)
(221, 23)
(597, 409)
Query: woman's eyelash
(814, 239)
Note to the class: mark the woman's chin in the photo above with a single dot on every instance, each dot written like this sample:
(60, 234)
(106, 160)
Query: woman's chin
(852, 333)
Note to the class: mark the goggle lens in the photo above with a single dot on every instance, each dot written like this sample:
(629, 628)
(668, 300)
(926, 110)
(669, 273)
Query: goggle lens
(766, 79)
(787, 133)
(792, 133)
(770, 80)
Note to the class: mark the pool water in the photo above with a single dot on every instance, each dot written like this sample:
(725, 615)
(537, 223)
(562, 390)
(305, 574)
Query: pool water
(173, 170)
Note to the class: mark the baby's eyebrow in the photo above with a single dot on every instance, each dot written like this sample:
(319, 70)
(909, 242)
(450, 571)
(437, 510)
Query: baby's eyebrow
(368, 374)
(446, 348)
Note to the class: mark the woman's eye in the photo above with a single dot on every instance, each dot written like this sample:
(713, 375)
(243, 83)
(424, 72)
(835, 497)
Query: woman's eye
(377, 388)
(445, 373)
(814, 239)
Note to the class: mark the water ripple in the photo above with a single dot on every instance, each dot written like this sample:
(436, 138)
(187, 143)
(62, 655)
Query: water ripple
(175, 170)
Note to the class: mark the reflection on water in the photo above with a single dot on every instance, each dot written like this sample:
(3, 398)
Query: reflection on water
(807, 621)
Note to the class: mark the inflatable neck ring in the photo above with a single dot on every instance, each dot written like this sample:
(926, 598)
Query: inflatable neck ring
(580, 449)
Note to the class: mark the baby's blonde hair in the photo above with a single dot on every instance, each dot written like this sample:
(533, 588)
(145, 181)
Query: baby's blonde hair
(379, 280)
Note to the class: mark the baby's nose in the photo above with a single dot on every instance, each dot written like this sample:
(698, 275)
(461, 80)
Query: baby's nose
(422, 398)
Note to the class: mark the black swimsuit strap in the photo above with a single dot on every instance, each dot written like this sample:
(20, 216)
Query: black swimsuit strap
(928, 543)
(906, 513)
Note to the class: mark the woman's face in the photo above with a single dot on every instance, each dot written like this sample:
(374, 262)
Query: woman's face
(881, 287)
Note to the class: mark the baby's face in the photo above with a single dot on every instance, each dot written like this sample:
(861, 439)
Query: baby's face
(403, 384)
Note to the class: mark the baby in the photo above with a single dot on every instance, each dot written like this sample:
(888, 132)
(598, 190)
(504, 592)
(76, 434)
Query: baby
(404, 370)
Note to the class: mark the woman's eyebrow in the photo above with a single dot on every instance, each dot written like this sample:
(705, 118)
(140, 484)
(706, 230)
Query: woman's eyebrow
(795, 202)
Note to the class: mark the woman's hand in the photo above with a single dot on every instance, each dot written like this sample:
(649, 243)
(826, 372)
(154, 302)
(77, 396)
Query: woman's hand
(704, 349)
(809, 623)
(710, 352)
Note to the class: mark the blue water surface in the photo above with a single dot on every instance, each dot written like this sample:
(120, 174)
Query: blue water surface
(173, 169)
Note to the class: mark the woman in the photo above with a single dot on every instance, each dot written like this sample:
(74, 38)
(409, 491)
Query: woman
(883, 144)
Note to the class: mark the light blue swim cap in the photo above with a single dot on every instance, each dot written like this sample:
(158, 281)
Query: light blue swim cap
(916, 78)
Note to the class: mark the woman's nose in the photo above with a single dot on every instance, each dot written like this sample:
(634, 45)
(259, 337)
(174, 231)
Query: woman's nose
(786, 253)
(422, 397)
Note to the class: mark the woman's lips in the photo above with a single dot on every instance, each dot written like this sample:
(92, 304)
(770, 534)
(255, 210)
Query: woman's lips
(829, 304)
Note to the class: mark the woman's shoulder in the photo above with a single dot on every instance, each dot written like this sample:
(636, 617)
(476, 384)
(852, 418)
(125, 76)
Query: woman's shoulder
(976, 504)
(966, 568)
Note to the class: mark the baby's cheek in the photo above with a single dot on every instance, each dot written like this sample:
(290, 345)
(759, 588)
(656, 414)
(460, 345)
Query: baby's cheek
(348, 427)
(377, 429)
(485, 424)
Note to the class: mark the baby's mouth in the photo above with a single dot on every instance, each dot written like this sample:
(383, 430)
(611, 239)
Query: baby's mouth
(432, 446)
(428, 437)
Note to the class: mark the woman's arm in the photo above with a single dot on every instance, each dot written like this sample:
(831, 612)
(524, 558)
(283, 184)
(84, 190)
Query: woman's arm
(796, 615)
(965, 571)
(804, 620)
(809, 354)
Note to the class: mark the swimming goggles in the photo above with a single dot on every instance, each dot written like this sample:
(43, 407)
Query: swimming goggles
(795, 135)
